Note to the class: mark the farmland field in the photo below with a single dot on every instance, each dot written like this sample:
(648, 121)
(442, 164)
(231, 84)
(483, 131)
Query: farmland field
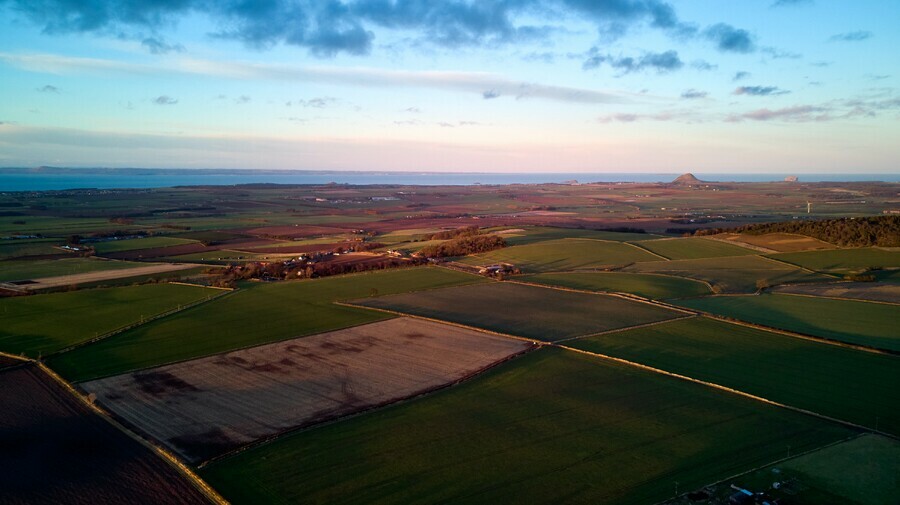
(46, 323)
(861, 471)
(34, 247)
(564, 254)
(138, 243)
(864, 323)
(781, 242)
(843, 260)
(540, 234)
(694, 248)
(55, 450)
(205, 406)
(646, 285)
(527, 311)
(549, 427)
(876, 291)
(864, 470)
(846, 384)
(16, 270)
(256, 314)
(737, 274)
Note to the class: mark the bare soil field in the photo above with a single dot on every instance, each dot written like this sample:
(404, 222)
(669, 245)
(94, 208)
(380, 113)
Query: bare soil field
(779, 242)
(53, 449)
(180, 250)
(207, 406)
(878, 292)
(103, 275)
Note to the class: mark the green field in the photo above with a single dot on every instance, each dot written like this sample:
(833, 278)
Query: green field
(694, 248)
(549, 427)
(846, 384)
(646, 285)
(735, 274)
(855, 322)
(137, 243)
(843, 260)
(47, 323)
(532, 234)
(861, 471)
(17, 270)
(526, 311)
(256, 314)
(30, 247)
(564, 254)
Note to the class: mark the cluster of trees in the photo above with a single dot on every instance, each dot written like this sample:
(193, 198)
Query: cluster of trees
(465, 231)
(463, 245)
(881, 231)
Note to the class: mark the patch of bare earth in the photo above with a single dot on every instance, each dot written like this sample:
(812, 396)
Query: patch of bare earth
(53, 449)
(105, 275)
(206, 406)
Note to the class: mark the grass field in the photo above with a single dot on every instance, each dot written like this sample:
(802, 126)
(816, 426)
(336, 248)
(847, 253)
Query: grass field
(203, 407)
(16, 270)
(564, 254)
(855, 386)
(137, 243)
(646, 285)
(47, 323)
(549, 427)
(735, 274)
(782, 242)
(843, 260)
(865, 470)
(526, 311)
(861, 471)
(871, 324)
(694, 248)
(257, 314)
(532, 234)
(33, 247)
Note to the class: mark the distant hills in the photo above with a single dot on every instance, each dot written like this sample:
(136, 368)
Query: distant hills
(686, 179)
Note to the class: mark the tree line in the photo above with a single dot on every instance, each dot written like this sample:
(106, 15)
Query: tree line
(881, 231)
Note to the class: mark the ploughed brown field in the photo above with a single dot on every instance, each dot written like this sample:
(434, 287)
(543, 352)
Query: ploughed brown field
(53, 449)
(180, 250)
(204, 407)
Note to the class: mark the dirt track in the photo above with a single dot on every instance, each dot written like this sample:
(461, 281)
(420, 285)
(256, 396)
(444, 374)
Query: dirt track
(207, 406)
(68, 280)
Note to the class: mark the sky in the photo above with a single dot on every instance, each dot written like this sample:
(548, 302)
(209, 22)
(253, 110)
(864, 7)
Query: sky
(721, 86)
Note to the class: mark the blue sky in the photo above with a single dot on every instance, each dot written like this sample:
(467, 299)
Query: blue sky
(800, 86)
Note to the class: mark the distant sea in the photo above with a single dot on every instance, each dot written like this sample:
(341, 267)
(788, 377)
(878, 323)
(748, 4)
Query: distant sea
(59, 178)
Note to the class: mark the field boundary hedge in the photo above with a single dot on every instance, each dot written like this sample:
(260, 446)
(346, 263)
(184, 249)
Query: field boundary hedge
(649, 251)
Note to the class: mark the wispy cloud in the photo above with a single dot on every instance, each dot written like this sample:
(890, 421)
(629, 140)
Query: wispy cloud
(471, 82)
(790, 3)
(693, 94)
(48, 88)
(856, 36)
(739, 76)
(158, 46)
(759, 91)
(164, 100)
(800, 113)
(661, 62)
(730, 39)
